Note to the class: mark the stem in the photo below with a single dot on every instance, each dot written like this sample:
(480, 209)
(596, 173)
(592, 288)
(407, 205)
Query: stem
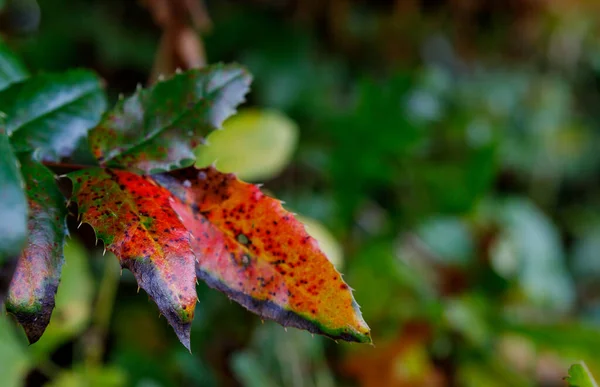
(103, 311)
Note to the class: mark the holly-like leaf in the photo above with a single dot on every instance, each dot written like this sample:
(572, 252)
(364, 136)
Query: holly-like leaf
(250, 248)
(50, 113)
(35, 281)
(13, 204)
(11, 68)
(156, 130)
(580, 376)
(132, 215)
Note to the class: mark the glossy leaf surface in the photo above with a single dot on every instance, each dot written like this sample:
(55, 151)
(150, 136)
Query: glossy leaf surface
(250, 248)
(13, 204)
(157, 129)
(11, 68)
(35, 281)
(133, 217)
(50, 113)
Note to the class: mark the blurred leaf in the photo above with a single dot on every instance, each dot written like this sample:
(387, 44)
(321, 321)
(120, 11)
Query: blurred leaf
(250, 248)
(143, 368)
(278, 358)
(489, 373)
(383, 283)
(157, 129)
(580, 376)
(250, 371)
(35, 281)
(449, 238)
(132, 215)
(11, 68)
(73, 301)
(13, 203)
(49, 113)
(468, 315)
(569, 340)
(327, 242)
(532, 243)
(372, 140)
(14, 359)
(254, 144)
(90, 377)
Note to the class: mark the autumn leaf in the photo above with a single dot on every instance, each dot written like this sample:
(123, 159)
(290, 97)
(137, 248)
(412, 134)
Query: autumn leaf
(132, 215)
(250, 248)
(35, 281)
(157, 129)
(50, 113)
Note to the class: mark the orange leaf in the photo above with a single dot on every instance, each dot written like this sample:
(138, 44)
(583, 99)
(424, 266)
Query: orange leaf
(250, 248)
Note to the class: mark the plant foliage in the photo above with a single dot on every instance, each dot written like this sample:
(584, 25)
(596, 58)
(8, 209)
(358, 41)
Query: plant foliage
(168, 222)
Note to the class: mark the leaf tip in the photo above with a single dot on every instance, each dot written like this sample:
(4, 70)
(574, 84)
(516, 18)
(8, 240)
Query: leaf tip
(182, 330)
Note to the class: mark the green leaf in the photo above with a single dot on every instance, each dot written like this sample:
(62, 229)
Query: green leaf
(14, 359)
(254, 145)
(91, 377)
(132, 215)
(13, 204)
(157, 129)
(580, 376)
(529, 248)
(35, 281)
(11, 68)
(50, 113)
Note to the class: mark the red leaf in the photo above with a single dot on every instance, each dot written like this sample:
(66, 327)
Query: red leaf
(250, 248)
(134, 218)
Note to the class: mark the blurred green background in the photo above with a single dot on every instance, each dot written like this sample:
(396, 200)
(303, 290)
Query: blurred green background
(446, 153)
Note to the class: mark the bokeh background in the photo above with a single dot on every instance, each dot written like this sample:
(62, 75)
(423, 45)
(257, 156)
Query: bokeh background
(446, 153)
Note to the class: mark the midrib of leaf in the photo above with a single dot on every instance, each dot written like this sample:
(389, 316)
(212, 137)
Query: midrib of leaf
(179, 117)
(58, 108)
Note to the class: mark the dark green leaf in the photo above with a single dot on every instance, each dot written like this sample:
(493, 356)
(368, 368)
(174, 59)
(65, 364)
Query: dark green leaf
(34, 283)
(13, 205)
(157, 129)
(11, 68)
(50, 113)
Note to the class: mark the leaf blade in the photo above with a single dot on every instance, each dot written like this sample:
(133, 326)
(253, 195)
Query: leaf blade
(50, 113)
(250, 248)
(132, 215)
(157, 129)
(580, 376)
(11, 68)
(31, 295)
(13, 203)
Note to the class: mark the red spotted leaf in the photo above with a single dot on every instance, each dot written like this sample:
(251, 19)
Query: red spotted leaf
(250, 248)
(132, 215)
(157, 129)
(33, 287)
